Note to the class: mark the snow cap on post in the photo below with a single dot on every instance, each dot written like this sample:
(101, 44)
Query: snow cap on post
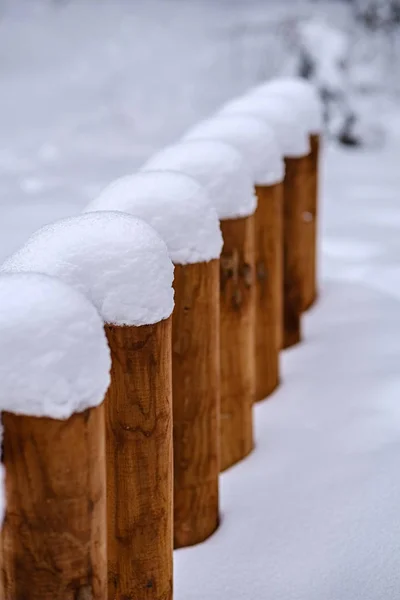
(303, 95)
(54, 357)
(253, 138)
(290, 131)
(175, 205)
(120, 263)
(218, 167)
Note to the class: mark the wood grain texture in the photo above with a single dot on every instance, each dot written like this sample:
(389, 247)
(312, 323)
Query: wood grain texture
(269, 287)
(295, 199)
(139, 463)
(310, 224)
(196, 402)
(54, 533)
(238, 311)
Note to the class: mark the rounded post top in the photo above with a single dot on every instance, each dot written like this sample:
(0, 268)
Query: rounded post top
(289, 128)
(120, 263)
(302, 95)
(252, 137)
(54, 357)
(218, 167)
(175, 205)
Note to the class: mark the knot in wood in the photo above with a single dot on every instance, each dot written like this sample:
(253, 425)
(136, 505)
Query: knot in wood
(237, 298)
(84, 593)
(229, 267)
(246, 274)
(262, 273)
(239, 276)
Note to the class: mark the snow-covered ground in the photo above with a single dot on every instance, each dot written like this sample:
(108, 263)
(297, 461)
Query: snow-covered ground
(89, 90)
(313, 513)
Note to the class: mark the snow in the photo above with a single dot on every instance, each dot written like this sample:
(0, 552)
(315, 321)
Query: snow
(78, 111)
(120, 263)
(175, 205)
(303, 96)
(218, 167)
(252, 138)
(54, 357)
(313, 513)
(329, 49)
(290, 131)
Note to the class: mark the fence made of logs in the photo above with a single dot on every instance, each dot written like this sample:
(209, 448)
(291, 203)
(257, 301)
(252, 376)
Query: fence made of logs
(136, 338)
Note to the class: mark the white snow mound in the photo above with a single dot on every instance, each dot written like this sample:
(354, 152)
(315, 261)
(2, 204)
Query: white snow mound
(175, 205)
(303, 95)
(289, 128)
(120, 263)
(54, 357)
(218, 167)
(252, 137)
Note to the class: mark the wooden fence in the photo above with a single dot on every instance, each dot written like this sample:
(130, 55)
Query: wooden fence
(125, 481)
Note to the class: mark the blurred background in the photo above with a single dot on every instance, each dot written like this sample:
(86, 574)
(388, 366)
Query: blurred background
(90, 88)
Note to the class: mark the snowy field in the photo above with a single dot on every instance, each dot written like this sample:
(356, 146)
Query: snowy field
(313, 513)
(90, 90)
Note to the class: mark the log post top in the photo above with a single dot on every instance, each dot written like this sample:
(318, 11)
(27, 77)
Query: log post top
(218, 167)
(176, 205)
(120, 263)
(252, 137)
(54, 357)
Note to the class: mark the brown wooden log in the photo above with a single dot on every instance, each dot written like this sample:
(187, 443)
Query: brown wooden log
(269, 287)
(310, 223)
(139, 463)
(295, 199)
(196, 402)
(238, 309)
(54, 533)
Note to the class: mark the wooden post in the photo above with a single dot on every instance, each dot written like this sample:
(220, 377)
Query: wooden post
(295, 200)
(139, 462)
(196, 401)
(54, 535)
(238, 304)
(2, 514)
(310, 224)
(269, 287)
